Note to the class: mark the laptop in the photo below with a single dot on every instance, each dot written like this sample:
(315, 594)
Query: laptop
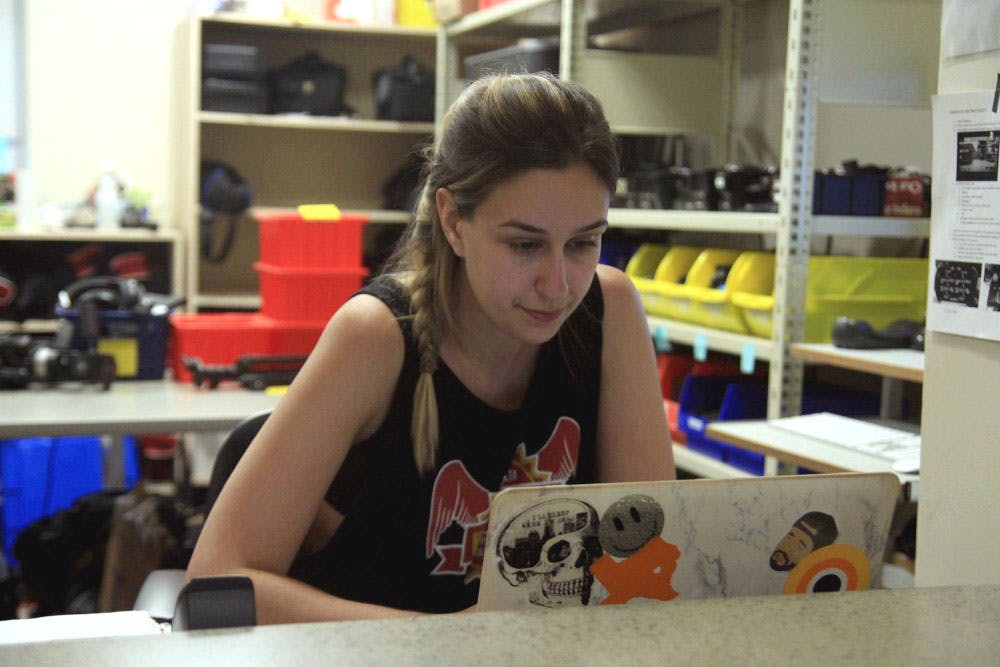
(600, 544)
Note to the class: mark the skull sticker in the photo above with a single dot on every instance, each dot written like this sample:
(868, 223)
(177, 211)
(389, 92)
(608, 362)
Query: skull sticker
(548, 549)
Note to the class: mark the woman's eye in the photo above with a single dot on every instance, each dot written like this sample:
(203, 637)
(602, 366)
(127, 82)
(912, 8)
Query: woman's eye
(585, 242)
(526, 246)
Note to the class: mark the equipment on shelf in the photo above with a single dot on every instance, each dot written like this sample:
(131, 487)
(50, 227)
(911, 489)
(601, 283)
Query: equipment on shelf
(404, 92)
(310, 85)
(116, 316)
(251, 371)
(860, 335)
(25, 359)
(234, 79)
(745, 188)
(871, 190)
(224, 197)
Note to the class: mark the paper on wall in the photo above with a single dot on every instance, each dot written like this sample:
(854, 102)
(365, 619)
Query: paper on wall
(964, 286)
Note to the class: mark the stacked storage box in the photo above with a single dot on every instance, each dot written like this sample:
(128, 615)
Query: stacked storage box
(733, 290)
(307, 269)
(878, 290)
(674, 369)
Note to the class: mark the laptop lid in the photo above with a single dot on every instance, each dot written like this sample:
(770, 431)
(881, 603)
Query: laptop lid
(584, 545)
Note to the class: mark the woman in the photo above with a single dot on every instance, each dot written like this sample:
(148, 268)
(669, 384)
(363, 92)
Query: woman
(495, 351)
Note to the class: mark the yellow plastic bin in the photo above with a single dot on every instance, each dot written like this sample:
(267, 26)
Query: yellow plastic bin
(677, 299)
(642, 266)
(878, 290)
(660, 296)
(751, 273)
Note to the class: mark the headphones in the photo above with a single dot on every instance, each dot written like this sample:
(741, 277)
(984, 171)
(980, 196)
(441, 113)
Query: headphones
(107, 292)
(224, 196)
(223, 190)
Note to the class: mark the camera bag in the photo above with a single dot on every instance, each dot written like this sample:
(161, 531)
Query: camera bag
(309, 85)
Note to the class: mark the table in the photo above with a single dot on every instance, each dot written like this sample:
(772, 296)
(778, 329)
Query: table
(128, 407)
(922, 626)
(140, 406)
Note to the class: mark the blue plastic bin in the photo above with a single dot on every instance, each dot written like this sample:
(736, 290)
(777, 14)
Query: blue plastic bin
(704, 400)
(867, 194)
(699, 404)
(137, 341)
(835, 195)
(41, 476)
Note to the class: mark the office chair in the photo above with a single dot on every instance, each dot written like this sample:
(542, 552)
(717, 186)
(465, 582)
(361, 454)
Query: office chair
(206, 602)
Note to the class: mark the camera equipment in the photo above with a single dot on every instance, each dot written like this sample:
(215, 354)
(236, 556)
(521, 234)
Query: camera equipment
(24, 360)
(251, 371)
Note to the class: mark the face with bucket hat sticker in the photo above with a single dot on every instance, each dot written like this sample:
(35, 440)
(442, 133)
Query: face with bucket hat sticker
(814, 562)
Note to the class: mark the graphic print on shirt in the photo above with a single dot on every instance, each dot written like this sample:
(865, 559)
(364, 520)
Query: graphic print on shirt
(459, 500)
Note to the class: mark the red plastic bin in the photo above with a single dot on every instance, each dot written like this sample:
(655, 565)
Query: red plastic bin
(220, 338)
(306, 295)
(289, 241)
(216, 338)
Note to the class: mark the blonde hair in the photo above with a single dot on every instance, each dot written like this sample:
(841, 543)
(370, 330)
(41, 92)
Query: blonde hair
(499, 126)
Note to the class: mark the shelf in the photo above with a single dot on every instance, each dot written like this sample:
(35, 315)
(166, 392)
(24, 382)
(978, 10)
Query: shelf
(236, 300)
(719, 341)
(367, 30)
(694, 221)
(376, 216)
(760, 436)
(901, 364)
(703, 466)
(853, 225)
(305, 122)
(39, 326)
(112, 235)
(514, 18)
(764, 223)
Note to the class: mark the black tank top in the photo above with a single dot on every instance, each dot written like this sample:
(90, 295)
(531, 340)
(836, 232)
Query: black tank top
(415, 542)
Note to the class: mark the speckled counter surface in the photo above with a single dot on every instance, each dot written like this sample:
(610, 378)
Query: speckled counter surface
(930, 626)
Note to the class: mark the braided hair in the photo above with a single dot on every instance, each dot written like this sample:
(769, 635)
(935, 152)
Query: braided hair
(500, 126)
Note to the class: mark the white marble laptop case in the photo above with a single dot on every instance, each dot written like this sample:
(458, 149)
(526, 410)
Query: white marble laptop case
(556, 546)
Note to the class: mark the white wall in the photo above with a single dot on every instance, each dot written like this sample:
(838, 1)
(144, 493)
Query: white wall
(100, 81)
(874, 80)
(8, 60)
(958, 527)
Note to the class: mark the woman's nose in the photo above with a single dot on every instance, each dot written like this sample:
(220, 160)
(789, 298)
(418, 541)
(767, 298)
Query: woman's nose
(551, 282)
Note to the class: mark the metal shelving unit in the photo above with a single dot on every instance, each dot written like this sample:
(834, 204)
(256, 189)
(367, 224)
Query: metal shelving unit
(705, 109)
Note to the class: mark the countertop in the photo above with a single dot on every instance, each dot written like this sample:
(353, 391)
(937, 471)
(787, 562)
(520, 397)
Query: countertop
(923, 626)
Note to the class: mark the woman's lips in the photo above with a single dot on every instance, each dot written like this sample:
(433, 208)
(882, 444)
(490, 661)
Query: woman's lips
(544, 315)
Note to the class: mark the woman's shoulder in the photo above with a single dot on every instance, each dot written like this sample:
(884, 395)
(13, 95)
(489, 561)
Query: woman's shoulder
(622, 305)
(615, 285)
(391, 290)
(366, 322)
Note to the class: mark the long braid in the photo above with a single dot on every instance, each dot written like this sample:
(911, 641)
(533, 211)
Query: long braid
(427, 333)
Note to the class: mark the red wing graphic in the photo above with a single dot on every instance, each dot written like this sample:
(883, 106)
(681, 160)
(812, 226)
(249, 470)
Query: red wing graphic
(559, 455)
(457, 497)
(554, 463)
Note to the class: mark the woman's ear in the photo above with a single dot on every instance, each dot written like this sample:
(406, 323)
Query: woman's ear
(448, 215)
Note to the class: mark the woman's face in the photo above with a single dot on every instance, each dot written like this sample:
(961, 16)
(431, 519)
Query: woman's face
(529, 251)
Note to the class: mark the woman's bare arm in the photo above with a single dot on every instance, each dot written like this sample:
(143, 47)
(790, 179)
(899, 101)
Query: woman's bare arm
(633, 442)
(275, 494)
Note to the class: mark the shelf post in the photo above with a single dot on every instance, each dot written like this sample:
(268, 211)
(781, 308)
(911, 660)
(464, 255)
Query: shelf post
(730, 47)
(794, 208)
